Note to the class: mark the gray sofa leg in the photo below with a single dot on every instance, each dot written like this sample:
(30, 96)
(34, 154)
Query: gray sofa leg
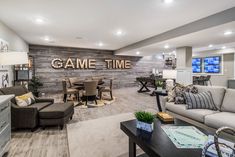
(61, 127)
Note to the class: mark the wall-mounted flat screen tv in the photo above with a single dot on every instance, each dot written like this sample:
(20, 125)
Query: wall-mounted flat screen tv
(197, 69)
(196, 61)
(212, 68)
(212, 60)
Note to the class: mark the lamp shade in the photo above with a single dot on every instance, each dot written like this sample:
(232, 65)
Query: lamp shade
(13, 58)
(169, 74)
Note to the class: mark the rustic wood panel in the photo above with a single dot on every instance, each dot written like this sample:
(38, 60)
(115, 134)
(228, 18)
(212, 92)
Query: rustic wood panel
(51, 78)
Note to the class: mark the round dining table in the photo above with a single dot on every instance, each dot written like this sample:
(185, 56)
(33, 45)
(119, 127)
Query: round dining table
(81, 83)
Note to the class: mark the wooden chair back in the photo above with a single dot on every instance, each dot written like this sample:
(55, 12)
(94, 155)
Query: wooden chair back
(91, 87)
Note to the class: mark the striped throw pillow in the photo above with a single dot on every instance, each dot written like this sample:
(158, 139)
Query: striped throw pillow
(201, 100)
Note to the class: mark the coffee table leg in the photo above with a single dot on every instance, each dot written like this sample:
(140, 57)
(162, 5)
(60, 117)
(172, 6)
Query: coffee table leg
(132, 148)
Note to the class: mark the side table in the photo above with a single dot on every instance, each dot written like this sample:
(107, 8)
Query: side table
(158, 94)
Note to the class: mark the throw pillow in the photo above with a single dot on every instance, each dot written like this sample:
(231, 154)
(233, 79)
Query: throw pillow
(179, 92)
(201, 100)
(25, 100)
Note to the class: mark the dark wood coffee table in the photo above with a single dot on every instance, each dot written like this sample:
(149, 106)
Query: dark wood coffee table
(157, 144)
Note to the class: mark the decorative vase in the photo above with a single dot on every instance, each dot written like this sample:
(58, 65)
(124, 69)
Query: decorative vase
(144, 126)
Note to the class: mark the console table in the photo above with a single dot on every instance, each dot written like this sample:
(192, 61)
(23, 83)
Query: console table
(5, 123)
(156, 144)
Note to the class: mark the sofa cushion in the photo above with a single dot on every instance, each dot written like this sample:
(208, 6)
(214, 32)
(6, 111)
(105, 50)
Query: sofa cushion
(228, 102)
(56, 111)
(40, 105)
(201, 100)
(217, 94)
(25, 99)
(220, 119)
(195, 114)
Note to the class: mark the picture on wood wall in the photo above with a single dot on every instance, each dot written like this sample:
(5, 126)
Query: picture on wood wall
(4, 74)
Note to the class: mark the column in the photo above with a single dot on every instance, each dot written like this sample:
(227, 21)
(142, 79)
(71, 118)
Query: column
(184, 65)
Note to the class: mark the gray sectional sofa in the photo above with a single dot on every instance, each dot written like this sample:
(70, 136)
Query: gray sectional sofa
(224, 100)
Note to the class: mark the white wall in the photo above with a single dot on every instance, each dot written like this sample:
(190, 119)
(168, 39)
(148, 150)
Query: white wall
(228, 66)
(16, 43)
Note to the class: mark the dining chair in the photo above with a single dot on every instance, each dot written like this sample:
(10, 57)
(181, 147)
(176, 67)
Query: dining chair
(109, 89)
(67, 90)
(73, 80)
(98, 78)
(90, 90)
(208, 80)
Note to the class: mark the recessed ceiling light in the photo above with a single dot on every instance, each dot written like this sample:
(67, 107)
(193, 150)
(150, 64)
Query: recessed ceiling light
(138, 52)
(168, 1)
(46, 38)
(166, 46)
(100, 44)
(39, 20)
(119, 33)
(210, 45)
(224, 47)
(228, 33)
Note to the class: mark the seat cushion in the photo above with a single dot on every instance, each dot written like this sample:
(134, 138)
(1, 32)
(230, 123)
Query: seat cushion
(195, 114)
(217, 94)
(220, 119)
(40, 105)
(56, 111)
(228, 102)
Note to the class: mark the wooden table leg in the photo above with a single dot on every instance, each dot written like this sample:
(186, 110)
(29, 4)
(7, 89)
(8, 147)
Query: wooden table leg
(158, 103)
(132, 148)
(144, 85)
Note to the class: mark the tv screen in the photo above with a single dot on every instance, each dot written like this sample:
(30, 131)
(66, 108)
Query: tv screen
(212, 60)
(197, 69)
(196, 61)
(212, 69)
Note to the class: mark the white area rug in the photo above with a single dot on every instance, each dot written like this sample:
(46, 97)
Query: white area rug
(99, 137)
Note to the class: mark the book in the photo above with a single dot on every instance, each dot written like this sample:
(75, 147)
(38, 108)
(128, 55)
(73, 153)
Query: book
(165, 117)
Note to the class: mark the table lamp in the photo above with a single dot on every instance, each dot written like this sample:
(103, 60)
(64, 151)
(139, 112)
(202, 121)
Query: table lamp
(13, 58)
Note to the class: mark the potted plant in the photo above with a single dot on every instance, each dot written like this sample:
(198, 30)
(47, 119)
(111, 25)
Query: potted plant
(159, 85)
(34, 85)
(144, 121)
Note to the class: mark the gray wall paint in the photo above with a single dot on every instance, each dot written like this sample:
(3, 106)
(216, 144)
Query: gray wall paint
(51, 78)
(16, 43)
(228, 71)
(228, 67)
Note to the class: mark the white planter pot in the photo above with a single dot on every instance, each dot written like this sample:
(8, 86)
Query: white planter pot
(144, 126)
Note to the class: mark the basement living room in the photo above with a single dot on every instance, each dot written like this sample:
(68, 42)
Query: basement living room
(122, 78)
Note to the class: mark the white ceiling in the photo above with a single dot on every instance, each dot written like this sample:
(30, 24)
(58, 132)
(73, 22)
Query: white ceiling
(97, 20)
(199, 41)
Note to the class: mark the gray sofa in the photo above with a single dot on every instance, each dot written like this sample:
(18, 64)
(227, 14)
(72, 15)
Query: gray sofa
(24, 117)
(224, 100)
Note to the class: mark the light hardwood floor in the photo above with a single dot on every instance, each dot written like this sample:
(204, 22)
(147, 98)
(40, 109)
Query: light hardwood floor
(52, 142)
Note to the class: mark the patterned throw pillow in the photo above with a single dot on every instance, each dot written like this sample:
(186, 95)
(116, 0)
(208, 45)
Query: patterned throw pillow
(25, 100)
(179, 92)
(203, 100)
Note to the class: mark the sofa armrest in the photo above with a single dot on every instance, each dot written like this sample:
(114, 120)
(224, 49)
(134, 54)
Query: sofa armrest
(24, 117)
(38, 100)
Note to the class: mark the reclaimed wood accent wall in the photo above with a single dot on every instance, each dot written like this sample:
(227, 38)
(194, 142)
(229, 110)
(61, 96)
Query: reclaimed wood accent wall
(51, 78)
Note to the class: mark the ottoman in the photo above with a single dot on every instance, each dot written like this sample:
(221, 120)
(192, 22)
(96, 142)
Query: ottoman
(56, 114)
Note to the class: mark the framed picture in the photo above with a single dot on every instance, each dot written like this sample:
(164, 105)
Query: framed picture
(4, 79)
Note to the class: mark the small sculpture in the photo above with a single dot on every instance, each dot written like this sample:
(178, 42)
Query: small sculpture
(216, 141)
